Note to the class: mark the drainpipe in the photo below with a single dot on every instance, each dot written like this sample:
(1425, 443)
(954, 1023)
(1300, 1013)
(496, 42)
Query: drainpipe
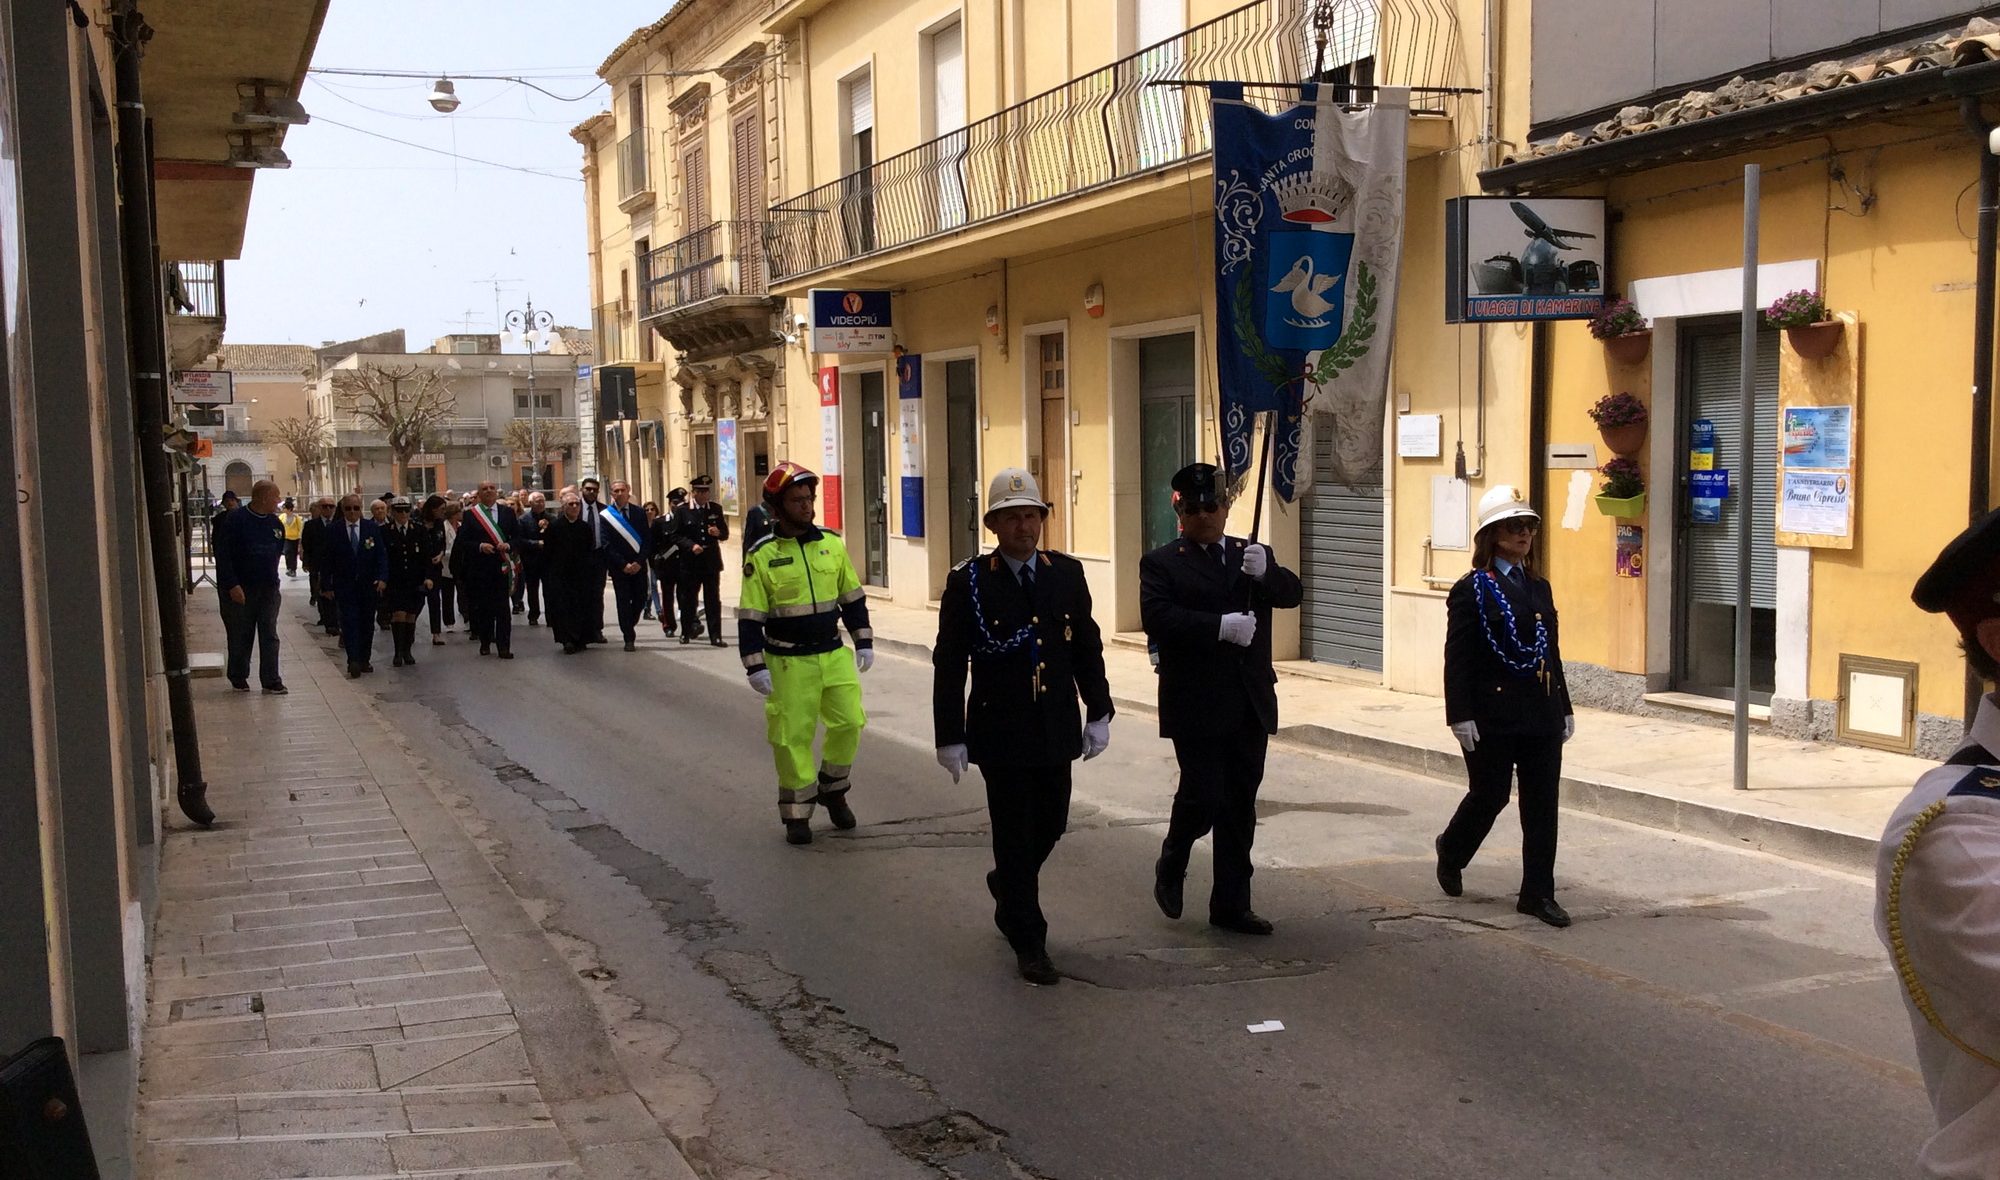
(149, 396)
(1979, 497)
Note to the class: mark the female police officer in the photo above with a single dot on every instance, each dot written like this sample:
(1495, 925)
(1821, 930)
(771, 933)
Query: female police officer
(1506, 701)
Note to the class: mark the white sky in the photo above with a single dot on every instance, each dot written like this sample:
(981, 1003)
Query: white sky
(362, 235)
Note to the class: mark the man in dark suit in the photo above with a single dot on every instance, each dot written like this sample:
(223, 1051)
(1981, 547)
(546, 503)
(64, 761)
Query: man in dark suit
(702, 528)
(623, 544)
(484, 551)
(313, 536)
(355, 573)
(1020, 619)
(594, 598)
(1206, 603)
(530, 531)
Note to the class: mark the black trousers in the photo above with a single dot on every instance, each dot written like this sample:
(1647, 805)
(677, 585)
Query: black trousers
(1220, 773)
(442, 598)
(1490, 768)
(707, 583)
(1029, 810)
(528, 588)
(492, 621)
(329, 614)
(291, 559)
(629, 592)
(667, 575)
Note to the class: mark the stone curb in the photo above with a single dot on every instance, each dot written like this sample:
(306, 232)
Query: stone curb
(1845, 851)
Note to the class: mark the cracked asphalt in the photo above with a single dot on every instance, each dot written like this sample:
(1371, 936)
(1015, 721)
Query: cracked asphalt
(847, 1009)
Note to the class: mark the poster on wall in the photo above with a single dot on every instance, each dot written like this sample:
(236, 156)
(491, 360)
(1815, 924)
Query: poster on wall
(910, 430)
(1819, 437)
(1816, 503)
(1631, 551)
(1524, 258)
(725, 463)
(829, 434)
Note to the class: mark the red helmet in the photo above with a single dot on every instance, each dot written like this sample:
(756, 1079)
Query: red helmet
(785, 475)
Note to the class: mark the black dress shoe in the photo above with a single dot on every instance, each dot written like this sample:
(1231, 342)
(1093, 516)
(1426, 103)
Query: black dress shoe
(240, 685)
(1166, 889)
(1452, 881)
(354, 671)
(398, 661)
(506, 653)
(718, 641)
(798, 831)
(276, 690)
(367, 668)
(570, 649)
(1545, 910)
(631, 646)
(1246, 922)
(684, 640)
(1036, 968)
(841, 814)
(485, 649)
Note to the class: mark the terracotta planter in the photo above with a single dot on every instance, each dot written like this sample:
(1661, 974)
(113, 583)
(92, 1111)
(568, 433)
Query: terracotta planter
(1625, 509)
(1816, 341)
(1630, 348)
(1623, 440)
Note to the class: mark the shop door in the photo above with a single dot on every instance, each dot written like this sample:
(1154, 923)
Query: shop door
(874, 478)
(961, 418)
(1705, 565)
(1166, 431)
(1340, 563)
(1051, 466)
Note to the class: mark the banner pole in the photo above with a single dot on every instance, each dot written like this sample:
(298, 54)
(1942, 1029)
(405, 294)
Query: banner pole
(1263, 475)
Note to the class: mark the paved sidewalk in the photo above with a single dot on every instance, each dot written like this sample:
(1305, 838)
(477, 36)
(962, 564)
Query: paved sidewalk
(342, 985)
(1808, 800)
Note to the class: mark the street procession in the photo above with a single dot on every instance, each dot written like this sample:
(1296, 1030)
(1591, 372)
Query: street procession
(1145, 487)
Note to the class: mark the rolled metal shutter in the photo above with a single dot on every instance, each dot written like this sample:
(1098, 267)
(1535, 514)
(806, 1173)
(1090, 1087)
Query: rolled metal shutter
(1340, 546)
(1711, 548)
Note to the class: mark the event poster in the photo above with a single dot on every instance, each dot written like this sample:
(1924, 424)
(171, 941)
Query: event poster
(1819, 437)
(910, 432)
(725, 463)
(1631, 551)
(1816, 503)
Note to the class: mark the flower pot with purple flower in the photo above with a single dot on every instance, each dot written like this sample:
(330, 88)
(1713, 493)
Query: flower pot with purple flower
(1626, 333)
(1621, 421)
(1624, 492)
(1809, 327)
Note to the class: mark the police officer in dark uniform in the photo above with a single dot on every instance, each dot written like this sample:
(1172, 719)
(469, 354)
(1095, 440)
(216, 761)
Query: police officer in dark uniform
(1020, 619)
(665, 548)
(701, 528)
(1206, 603)
(410, 547)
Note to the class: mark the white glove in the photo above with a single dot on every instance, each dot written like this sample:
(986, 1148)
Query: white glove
(1569, 726)
(1096, 738)
(952, 758)
(1467, 733)
(1238, 629)
(1256, 560)
(864, 658)
(761, 681)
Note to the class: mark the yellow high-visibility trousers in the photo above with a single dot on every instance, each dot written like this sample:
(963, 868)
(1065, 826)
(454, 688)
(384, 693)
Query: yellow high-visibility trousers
(807, 691)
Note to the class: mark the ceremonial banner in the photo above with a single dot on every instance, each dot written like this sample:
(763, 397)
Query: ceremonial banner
(1308, 237)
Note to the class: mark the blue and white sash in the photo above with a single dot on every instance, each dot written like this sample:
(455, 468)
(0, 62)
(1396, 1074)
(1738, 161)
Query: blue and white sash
(615, 517)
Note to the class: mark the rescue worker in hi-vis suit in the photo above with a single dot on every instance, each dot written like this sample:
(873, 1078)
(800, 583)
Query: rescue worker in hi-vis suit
(798, 587)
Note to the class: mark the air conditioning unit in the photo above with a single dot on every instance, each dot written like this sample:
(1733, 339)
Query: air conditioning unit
(496, 460)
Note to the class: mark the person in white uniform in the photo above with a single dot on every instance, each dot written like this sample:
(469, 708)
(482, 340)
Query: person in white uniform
(1937, 884)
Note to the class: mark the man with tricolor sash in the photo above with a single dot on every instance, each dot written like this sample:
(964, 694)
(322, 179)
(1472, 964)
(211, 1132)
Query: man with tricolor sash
(623, 544)
(485, 554)
(799, 587)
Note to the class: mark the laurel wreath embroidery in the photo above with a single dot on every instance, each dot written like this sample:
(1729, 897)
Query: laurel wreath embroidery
(1349, 349)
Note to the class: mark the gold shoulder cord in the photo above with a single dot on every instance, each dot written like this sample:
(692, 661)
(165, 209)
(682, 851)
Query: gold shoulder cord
(1900, 950)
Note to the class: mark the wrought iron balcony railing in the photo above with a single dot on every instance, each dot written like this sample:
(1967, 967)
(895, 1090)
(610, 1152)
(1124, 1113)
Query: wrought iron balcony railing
(721, 258)
(195, 289)
(633, 177)
(1104, 127)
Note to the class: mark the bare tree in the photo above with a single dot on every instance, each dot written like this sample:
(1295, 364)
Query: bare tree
(305, 438)
(406, 403)
(543, 445)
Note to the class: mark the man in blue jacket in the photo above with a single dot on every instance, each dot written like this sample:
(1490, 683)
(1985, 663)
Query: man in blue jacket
(247, 547)
(624, 543)
(357, 571)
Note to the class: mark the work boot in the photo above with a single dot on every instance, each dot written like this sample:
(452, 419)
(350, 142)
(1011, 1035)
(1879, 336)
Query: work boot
(838, 811)
(193, 798)
(798, 831)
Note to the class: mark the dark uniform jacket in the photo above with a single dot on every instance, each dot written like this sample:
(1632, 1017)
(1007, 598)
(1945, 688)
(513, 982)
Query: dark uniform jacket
(691, 523)
(613, 549)
(756, 526)
(409, 559)
(663, 543)
(1183, 594)
(349, 569)
(482, 572)
(312, 538)
(530, 539)
(1481, 686)
(1030, 659)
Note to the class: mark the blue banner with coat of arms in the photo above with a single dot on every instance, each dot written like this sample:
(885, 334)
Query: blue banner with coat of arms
(1308, 238)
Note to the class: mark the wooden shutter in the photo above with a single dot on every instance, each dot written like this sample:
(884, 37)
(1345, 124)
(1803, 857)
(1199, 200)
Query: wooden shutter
(694, 185)
(747, 164)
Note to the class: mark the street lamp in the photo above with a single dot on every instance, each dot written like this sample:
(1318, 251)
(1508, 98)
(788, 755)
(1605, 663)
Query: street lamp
(532, 329)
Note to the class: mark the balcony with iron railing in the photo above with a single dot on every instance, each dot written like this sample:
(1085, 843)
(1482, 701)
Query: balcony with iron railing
(1106, 127)
(635, 182)
(196, 311)
(709, 292)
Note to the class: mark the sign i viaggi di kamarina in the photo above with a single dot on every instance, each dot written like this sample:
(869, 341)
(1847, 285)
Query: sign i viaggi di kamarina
(1308, 238)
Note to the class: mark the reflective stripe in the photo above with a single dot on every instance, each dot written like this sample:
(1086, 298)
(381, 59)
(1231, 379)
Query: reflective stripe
(800, 610)
(865, 633)
(755, 616)
(830, 773)
(797, 803)
(774, 641)
(854, 595)
(754, 660)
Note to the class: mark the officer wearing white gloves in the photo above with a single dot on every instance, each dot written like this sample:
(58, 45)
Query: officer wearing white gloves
(1937, 883)
(1018, 618)
(1206, 603)
(1506, 701)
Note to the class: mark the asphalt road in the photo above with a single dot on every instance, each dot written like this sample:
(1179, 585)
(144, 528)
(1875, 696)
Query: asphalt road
(848, 1010)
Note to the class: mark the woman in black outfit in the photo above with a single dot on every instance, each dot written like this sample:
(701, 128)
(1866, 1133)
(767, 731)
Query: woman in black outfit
(572, 575)
(440, 597)
(410, 581)
(1506, 701)
(666, 561)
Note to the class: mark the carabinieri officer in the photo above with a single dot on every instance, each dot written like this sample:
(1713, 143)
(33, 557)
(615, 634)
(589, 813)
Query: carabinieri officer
(1937, 882)
(1506, 701)
(1206, 603)
(1019, 617)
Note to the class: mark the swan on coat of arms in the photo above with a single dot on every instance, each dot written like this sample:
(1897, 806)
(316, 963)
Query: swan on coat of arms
(1305, 287)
